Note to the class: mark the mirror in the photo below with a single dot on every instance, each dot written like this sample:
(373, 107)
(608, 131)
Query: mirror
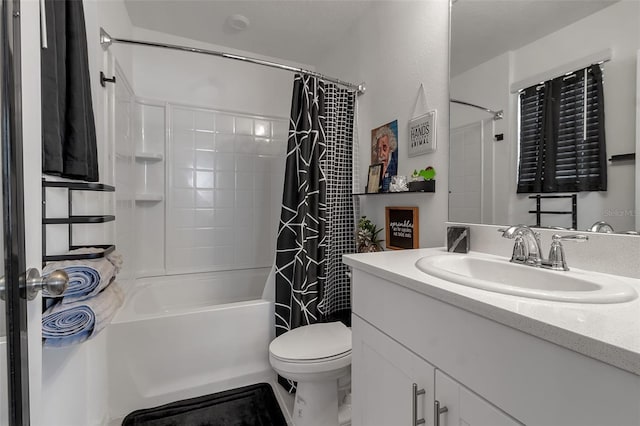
(499, 47)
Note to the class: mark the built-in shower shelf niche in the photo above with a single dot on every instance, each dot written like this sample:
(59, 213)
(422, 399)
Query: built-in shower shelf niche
(149, 197)
(149, 156)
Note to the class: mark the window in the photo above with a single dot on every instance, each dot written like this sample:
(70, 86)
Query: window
(562, 137)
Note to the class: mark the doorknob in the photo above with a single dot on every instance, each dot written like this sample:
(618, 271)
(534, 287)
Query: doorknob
(55, 283)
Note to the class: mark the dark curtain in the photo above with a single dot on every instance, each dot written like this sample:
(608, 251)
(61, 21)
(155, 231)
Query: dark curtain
(317, 219)
(69, 146)
(301, 243)
(340, 222)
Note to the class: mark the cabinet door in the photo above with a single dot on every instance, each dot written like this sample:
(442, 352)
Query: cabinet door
(383, 373)
(464, 408)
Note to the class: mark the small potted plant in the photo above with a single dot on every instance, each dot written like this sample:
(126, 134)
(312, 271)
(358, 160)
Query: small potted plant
(423, 180)
(367, 237)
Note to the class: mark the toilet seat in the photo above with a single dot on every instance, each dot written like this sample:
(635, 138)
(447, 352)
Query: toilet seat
(313, 343)
(312, 349)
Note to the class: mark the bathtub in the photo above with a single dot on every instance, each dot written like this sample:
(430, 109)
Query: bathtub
(182, 336)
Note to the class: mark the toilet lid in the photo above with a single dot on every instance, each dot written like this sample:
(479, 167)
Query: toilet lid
(315, 341)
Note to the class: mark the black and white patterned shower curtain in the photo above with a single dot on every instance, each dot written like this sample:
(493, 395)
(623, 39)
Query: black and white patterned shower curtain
(317, 219)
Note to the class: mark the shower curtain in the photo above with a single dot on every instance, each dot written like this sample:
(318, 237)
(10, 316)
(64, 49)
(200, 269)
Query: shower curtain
(317, 221)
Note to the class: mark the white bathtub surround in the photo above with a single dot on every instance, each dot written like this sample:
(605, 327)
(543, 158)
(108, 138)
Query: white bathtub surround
(607, 332)
(183, 336)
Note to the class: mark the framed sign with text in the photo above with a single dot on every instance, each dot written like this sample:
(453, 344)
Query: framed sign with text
(422, 134)
(402, 230)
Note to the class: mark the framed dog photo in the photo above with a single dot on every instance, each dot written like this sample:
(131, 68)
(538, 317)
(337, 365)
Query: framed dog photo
(375, 178)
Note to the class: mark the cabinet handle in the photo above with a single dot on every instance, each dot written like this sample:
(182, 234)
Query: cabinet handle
(414, 406)
(437, 411)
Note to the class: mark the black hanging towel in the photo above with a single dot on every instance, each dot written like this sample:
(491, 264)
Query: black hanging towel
(69, 146)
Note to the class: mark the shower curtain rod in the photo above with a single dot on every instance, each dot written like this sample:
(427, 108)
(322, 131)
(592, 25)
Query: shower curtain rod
(106, 40)
(497, 115)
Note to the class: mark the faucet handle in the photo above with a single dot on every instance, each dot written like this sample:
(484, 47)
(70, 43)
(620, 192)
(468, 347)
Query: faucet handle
(520, 250)
(557, 260)
(576, 238)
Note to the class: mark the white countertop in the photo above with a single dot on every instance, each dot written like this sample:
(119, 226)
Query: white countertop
(606, 332)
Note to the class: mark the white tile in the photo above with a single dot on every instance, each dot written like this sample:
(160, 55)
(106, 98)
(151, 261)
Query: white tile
(244, 180)
(184, 218)
(224, 123)
(224, 142)
(182, 119)
(204, 141)
(183, 237)
(204, 217)
(244, 199)
(280, 129)
(265, 165)
(204, 199)
(225, 161)
(243, 217)
(204, 237)
(262, 128)
(183, 178)
(204, 121)
(223, 255)
(243, 126)
(225, 180)
(183, 158)
(223, 236)
(245, 163)
(223, 217)
(204, 179)
(183, 198)
(224, 198)
(183, 139)
(205, 160)
(263, 146)
(245, 145)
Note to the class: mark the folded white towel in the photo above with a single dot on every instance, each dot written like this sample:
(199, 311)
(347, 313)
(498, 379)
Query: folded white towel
(87, 277)
(67, 324)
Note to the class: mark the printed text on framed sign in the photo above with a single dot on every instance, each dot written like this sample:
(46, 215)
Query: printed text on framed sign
(422, 134)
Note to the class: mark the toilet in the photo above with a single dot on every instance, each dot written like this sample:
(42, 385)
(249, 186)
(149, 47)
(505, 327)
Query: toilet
(317, 357)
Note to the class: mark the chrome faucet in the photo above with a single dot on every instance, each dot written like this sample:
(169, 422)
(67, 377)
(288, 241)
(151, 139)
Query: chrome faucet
(527, 249)
(527, 246)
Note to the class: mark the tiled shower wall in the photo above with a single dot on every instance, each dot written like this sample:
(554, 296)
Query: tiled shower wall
(224, 189)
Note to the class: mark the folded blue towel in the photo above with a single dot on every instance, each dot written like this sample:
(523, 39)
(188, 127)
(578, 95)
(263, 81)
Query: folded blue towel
(71, 323)
(86, 277)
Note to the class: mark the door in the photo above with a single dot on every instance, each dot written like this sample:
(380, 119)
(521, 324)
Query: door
(383, 374)
(464, 408)
(21, 208)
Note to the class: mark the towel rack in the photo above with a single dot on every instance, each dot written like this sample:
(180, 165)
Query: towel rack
(539, 212)
(72, 219)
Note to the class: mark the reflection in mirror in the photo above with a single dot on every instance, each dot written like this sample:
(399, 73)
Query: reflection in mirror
(498, 49)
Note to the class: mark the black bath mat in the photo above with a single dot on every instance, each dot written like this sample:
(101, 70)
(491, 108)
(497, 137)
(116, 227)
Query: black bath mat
(253, 405)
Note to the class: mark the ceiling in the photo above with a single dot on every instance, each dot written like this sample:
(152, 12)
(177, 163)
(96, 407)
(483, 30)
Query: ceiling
(296, 30)
(305, 30)
(483, 29)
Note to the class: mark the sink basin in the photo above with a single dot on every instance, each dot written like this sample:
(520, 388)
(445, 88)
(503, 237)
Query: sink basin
(501, 276)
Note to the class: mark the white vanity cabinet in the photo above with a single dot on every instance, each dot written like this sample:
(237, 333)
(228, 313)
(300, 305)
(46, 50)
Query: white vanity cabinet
(463, 407)
(390, 384)
(485, 373)
(393, 386)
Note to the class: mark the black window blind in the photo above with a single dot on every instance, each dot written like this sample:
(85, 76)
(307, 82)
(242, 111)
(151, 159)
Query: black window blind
(562, 138)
